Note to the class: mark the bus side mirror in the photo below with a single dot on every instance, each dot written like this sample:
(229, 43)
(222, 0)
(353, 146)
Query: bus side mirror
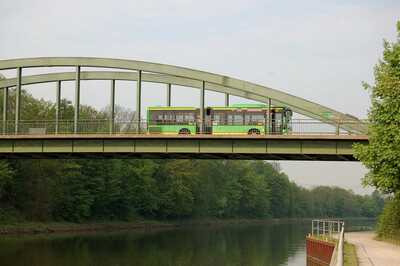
(208, 111)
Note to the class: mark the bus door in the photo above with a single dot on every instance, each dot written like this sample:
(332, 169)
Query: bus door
(273, 129)
(276, 122)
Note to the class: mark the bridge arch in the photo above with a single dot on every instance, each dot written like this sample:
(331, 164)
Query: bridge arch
(169, 74)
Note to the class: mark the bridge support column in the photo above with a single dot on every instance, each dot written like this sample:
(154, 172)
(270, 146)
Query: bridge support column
(202, 94)
(139, 99)
(226, 99)
(58, 96)
(5, 109)
(77, 97)
(169, 94)
(18, 100)
(112, 106)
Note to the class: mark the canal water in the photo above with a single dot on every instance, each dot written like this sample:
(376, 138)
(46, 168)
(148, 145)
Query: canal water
(267, 244)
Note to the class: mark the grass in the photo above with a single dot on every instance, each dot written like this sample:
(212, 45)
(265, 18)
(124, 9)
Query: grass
(392, 240)
(350, 255)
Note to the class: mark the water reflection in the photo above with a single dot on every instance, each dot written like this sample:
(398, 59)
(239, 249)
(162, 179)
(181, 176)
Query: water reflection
(279, 244)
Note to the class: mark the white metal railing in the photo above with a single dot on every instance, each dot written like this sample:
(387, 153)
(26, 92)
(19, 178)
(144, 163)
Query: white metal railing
(340, 252)
(331, 228)
(101, 126)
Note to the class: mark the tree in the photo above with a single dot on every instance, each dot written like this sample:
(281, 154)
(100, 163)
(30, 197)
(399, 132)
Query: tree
(382, 155)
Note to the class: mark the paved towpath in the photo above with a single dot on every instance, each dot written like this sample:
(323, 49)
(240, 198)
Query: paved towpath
(372, 252)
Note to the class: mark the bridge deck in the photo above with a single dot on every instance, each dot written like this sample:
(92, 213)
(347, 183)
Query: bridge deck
(267, 147)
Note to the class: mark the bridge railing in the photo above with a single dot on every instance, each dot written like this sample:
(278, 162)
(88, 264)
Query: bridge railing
(107, 126)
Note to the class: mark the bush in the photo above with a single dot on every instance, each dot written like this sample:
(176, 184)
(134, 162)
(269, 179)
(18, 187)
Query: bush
(389, 220)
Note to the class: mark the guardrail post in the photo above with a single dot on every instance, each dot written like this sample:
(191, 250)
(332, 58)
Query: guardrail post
(77, 98)
(112, 106)
(58, 96)
(226, 99)
(18, 100)
(138, 99)
(169, 94)
(202, 94)
(5, 109)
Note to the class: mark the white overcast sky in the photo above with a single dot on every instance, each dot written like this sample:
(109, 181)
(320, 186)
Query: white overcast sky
(318, 50)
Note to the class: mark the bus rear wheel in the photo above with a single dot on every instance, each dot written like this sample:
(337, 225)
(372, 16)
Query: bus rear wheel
(254, 131)
(184, 131)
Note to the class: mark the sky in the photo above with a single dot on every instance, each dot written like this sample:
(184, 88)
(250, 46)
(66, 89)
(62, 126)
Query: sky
(318, 50)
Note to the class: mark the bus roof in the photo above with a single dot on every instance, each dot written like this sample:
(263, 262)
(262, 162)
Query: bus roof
(232, 107)
(171, 108)
(248, 105)
(227, 108)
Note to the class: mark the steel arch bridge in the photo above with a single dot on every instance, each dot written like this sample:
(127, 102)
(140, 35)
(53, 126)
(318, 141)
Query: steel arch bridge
(336, 145)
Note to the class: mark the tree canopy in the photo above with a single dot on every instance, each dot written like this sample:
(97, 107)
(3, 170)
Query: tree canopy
(382, 155)
(126, 189)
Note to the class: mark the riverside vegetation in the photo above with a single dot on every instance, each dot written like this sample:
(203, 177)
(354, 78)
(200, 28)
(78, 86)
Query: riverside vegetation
(86, 190)
(382, 155)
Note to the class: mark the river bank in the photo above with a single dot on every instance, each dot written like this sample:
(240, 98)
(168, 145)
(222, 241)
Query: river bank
(30, 228)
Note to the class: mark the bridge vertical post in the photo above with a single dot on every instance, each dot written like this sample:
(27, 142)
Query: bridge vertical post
(202, 94)
(226, 99)
(77, 97)
(112, 106)
(138, 99)
(169, 94)
(58, 96)
(5, 109)
(268, 123)
(337, 127)
(18, 100)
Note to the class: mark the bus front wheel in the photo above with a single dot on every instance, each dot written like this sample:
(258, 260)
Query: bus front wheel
(254, 131)
(184, 131)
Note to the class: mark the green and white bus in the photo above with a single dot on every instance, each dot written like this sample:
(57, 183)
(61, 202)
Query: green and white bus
(235, 119)
(172, 120)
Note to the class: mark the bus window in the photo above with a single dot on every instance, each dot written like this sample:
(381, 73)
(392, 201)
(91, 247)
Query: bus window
(229, 119)
(238, 119)
(254, 118)
(179, 118)
(278, 122)
(160, 118)
(189, 117)
(169, 118)
(219, 118)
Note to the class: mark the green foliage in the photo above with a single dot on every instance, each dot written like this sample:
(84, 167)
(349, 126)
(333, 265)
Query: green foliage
(6, 177)
(382, 155)
(99, 190)
(389, 220)
(72, 200)
(116, 189)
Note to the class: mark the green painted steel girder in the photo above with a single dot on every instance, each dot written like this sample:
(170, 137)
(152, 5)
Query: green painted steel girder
(323, 148)
(5, 109)
(18, 84)
(112, 106)
(58, 102)
(216, 82)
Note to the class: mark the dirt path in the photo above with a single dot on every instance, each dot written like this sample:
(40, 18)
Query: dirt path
(373, 252)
